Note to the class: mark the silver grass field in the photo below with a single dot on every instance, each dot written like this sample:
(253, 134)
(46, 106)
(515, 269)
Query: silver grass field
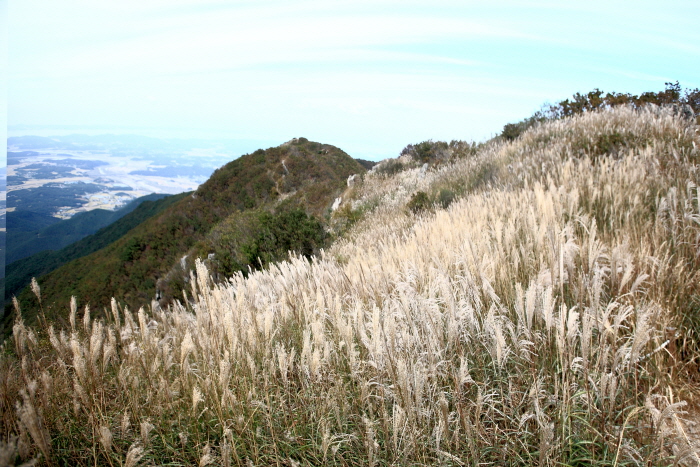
(547, 317)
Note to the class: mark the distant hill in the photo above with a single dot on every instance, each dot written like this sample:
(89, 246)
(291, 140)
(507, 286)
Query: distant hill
(51, 197)
(22, 243)
(29, 221)
(295, 182)
(3, 238)
(366, 164)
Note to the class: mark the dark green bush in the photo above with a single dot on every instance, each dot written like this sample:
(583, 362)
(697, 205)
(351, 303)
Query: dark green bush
(673, 94)
(512, 131)
(420, 201)
(687, 102)
(348, 215)
(427, 151)
(463, 148)
(131, 250)
(279, 233)
(445, 198)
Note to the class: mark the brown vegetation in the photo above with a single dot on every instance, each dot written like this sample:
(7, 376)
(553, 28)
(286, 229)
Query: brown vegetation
(541, 319)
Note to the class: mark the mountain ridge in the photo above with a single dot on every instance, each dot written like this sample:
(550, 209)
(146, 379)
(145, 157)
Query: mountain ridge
(297, 175)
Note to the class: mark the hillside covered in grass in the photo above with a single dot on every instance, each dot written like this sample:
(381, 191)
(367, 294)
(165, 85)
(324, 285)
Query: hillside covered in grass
(152, 260)
(524, 302)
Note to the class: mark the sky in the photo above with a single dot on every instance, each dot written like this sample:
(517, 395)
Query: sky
(367, 76)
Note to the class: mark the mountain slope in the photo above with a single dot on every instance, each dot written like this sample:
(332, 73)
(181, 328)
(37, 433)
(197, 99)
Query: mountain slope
(29, 221)
(21, 244)
(299, 174)
(20, 273)
(546, 317)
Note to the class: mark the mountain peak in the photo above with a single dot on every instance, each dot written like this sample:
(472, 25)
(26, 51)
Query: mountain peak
(300, 176)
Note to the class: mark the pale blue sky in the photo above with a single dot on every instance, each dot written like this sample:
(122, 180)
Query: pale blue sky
(367, 76)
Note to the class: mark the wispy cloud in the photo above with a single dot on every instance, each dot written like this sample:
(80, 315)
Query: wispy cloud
(213, 41)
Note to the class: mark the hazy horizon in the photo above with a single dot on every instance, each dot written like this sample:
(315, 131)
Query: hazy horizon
(238, 146)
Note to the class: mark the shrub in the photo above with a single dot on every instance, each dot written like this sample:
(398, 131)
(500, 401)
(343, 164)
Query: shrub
(419, 202)
(673, 94)
(427, 151)
(511, 131)
(460, 149)
(131, 250)
(445, 198)
(347, 216)
(278, 234)
(390, 167)
(686, 102)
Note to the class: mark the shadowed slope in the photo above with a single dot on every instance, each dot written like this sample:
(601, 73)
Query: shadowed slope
(19, 273)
